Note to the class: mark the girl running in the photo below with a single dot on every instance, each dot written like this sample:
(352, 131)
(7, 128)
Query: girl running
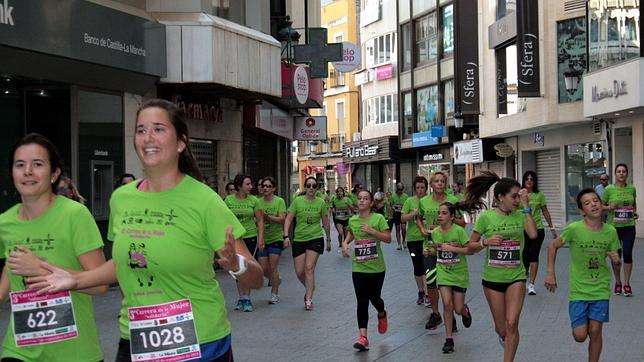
(620, 201)
(274, 211)
(308, 243)
(246, 208)
(62, 231)
(450, 241)
(342, 208)
(368, 229)
(415, 239)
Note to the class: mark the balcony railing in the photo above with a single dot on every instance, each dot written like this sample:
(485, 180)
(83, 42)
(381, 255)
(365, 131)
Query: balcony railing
(336, 79)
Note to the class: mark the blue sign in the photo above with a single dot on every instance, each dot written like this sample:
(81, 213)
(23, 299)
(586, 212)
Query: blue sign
(423, 139)
(438, 131)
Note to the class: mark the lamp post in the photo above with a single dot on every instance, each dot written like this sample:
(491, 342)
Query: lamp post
(288, 37)
(458, 120)
(572, 77)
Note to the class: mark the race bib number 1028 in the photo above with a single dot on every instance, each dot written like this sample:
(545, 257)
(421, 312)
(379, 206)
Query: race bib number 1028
(163, 332)
(42, 319)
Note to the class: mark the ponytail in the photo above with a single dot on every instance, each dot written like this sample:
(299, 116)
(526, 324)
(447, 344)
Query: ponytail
(479, 185)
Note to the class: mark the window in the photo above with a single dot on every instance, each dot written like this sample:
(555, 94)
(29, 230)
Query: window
(426, 108)
(408, 120)
(585, 162)
(380, 50)
(504, 7)
(381, 110)
(571, 59)
(448, 99)
(339, 115)
(508, 82)
(447, 14)
(221, 8)
(420, 6)
(426, 39)
(614, 33)
(405, 30)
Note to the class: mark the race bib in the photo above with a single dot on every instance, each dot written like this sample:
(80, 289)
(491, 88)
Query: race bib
(624, 214)
(447, 257)
(341, 214)
(163, 332)
(505, 255)
(42, 319)
(397, 208)
(365, 250)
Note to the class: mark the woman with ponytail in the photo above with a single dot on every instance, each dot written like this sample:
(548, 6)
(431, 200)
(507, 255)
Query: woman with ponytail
(503, 230)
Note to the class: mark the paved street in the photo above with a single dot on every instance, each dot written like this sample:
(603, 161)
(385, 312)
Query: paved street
(285, 332)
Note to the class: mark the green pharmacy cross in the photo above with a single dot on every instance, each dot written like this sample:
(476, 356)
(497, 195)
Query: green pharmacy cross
(317, 53)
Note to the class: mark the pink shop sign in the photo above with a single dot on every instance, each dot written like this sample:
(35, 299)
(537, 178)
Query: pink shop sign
(384, 72)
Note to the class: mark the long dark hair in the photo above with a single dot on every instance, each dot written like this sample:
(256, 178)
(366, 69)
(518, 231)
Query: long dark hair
(239, 181)
(52, 152)
(479, 185)
(621, 165)
(535, 180)
(187, 162)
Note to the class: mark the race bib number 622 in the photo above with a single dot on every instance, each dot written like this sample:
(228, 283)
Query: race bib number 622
(42, 319)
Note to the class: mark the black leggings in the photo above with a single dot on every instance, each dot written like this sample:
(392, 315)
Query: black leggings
(416, 252)
(532, 248)
(626, 235)
(368, 287)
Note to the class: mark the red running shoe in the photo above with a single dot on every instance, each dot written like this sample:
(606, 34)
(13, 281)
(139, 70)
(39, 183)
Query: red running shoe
(361, 344)
(383, 323)
(618, 288)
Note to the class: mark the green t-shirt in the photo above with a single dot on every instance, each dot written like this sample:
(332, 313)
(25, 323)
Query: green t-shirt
(590, 275)
(164, 245)
(429, 208)
(60, 235)
(397, 201)
(308, 215)
(625, 198)
(354, 199)
(460, 196)
(451, 268)
(244, 210)
(341, 208)
(273, 232)
(389, 212)
(413, 232)
(537, 201)
(367, 254)
(502, 264)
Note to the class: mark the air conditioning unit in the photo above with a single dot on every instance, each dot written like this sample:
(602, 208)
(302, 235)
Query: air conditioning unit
(357, 136)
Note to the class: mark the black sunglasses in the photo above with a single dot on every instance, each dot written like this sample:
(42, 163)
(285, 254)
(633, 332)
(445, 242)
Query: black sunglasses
(311, 186)
(268, 186)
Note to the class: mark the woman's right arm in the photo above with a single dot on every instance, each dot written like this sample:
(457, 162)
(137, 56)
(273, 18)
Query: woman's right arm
(60, 279)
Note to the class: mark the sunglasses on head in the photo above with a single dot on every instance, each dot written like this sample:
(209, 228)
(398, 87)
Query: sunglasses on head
(311, 186)
(529, 178)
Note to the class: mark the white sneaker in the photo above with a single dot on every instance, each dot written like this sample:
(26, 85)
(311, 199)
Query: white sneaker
(531, 290)
(274, 299)
(502, 342)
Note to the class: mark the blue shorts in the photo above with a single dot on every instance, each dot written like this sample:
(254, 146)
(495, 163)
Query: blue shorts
(582, 311)
(274, 248)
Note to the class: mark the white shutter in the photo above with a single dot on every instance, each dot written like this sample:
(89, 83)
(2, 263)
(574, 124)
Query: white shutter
(497, 167)
(549, 173)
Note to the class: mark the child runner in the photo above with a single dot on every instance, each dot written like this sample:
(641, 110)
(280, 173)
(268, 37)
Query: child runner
(342, 207)
(368, 264)
(415, 239)
(590, 241)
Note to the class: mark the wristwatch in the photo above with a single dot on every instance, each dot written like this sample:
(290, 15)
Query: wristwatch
(243, 266)
(527, 211)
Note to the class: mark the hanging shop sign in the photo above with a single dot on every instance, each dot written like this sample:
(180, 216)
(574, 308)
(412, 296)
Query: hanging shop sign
(467, 57)
(503, 150)
(300, 84)
(470, 151)
(350, 58)
(528, 48)
(310, 128)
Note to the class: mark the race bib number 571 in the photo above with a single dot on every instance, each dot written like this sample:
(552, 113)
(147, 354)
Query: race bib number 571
(42, 319)
(505, 255)
(163, 332)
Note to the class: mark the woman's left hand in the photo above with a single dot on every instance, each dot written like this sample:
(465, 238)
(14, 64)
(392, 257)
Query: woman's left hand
(228, 255)
(524, 195)
(22, 261)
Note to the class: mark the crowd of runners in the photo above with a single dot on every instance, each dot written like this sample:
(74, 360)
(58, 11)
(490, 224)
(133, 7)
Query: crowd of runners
(168, 228)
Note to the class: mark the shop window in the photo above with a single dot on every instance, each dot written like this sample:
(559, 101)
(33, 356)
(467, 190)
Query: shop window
(585, 162)
(448, 98)
(426, 108)
(408, 120)
(508, 100)
(504, 7)
(614, 32)
(571, 58)
(405, 29)
(426, 48)
(447, 21)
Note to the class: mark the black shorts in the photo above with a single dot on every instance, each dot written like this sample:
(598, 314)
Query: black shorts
(344, 223)
(251, 244)
(396, 218)
(454, 288)
(500, 287)
(300, 247)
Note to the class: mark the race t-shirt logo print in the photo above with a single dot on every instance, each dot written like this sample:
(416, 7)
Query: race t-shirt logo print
(139, 263)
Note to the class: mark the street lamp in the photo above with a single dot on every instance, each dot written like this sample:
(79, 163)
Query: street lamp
(288, 37)
(572, 77)
(458, 120)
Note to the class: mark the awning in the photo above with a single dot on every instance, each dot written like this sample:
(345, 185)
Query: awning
(206, 49)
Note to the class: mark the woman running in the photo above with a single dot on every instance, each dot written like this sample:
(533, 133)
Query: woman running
(397, 201)
(503, 272)
(415, 239)
(166, 229)
(368, 229)
(308, 241)
(274, 210)
(62, 231)
(427, 221)
(342, 208)
(452, 274)
(246, 208)
(620, 200)
(533, 246)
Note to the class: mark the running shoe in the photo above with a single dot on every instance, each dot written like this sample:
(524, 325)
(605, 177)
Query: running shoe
(239, 305)
(627, 291)
(618, 288)
(502, 341)
(421, 298)
(383, 323)
(404, 245)
(361, 344)
(466, 316)
(448, 347)
(398, 248)
(274, 299)
(248, 306)
(308, 305)
(434, 321)
(427, 302)
(531, 290)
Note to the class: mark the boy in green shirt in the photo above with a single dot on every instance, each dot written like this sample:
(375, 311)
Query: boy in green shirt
(590, 241)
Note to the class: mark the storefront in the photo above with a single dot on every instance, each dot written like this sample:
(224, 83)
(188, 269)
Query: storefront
(433, 160)
(374, 163)
(80, 86)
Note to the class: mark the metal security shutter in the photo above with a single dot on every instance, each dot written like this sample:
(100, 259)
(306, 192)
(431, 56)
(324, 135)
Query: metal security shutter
(205, 152)
(497, 167)
(549, 172)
